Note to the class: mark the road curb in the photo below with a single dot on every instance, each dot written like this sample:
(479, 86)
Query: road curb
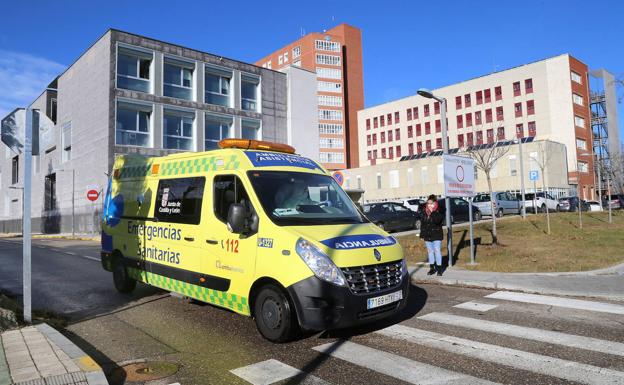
(92, 371)
(512, 287)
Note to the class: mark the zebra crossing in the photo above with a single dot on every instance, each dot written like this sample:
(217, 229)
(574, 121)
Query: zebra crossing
(394, 359)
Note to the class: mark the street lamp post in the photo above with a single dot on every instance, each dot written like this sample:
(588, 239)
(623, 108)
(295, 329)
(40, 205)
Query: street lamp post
(72, 198)
(523, 207)
(445, 146)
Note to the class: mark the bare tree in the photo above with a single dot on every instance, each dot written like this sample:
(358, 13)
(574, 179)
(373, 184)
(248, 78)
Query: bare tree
(485, 157)
(542, 160)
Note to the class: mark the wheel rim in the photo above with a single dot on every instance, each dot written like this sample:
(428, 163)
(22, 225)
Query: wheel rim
(271, 314)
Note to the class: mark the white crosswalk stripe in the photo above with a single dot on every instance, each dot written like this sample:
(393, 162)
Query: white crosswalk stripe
(272, 371)
(476, 306)
(558, 301)
(551, 337)
(536, 363)
(395, 366)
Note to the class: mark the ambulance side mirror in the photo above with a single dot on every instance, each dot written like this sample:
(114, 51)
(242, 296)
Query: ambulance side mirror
(237, 219)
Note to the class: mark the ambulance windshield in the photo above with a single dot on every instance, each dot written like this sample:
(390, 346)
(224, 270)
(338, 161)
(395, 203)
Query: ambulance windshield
(299, 199)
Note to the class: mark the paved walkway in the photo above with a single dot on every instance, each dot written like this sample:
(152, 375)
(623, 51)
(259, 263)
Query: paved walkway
(604, 283)
(40, 355)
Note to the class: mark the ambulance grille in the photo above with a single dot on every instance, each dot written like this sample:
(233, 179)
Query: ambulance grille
(373, 278)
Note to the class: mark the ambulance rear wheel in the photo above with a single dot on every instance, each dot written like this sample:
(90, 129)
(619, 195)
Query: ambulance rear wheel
(275, 318)
(123, 282)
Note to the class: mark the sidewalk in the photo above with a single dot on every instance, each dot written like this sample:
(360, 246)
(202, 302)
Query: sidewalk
(604, 284)
(40, 355)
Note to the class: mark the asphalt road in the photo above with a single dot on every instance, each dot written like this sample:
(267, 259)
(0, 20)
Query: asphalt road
(517, 341)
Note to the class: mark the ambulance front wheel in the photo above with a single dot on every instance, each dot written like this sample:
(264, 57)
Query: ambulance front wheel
(275, 318)
(123, 282)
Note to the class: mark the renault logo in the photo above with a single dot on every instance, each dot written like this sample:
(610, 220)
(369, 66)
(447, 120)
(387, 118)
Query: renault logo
(377, 255)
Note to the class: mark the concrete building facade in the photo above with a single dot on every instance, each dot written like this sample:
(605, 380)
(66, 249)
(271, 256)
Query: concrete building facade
(335, 56)
(131, 94)
(547, 100)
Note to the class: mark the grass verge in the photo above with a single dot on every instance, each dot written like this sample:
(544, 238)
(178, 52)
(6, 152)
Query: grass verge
(524, 245)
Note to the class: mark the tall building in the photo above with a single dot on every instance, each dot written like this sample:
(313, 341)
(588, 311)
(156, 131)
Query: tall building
(545, 100)
(336, 58)
(129, 94)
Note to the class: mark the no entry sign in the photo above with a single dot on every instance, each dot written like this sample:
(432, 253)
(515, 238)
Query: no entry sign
(93, 195)
(459, 176)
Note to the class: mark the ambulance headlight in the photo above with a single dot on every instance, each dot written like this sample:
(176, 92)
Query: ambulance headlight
(319, 263)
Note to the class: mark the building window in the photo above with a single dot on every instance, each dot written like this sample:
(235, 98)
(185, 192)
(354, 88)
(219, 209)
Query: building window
(217, 87)
(250, 129)
(478, 117)
(579, 122)
(418, 129)
(133, 125)
(532, 129)
(428, 145)
(296, 52)
(368, 124)
(519, 131)
(331, 143)
(331, 128)
(460, 140)
(500, 133)
(438, 125)
(516, 89)
(490, 135)
(178, 79)
(53, 109)
(409, 114)
(582, 166)
(269, 64)
(499, 113)
(397, 118)
(578, 99)
(49, 202)
(581, 144)
(359, 182)
(470, 138)
(410, 177)
(216, 129)
(330, 60)
(15, 170)
(487, 95)
(328, 73)
(576, 77)
(330, 114)
(426, 110)
(530, 107)
(378, 181)
(415, 112)
(389, 135)
(383, 153)
(410, 148)
(468, 120)
(427, 128)
(133, 70)
(479, 137)
(410, 132)
(518, 109)
(397, 134)
(382, 120)
(467, 100)
(488, 115)
(331, 101)
(458, 102)
(513, 168)
(178, 130)
(285, 57)
(389, 119)
(383, 137)
(374, 138)
(375, 122)
(369, 154)
(390, 153)
(280, 59)
(436, 108)
(479, 97)
(374, 154)
(368, 140)
(498, 93)
(325, 45)
(460, 121)
(249, 92)
(419, 147)
(438, 143)
(66, 141)
(528, 86)
(329, 87)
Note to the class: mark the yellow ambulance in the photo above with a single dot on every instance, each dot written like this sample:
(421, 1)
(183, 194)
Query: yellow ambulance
(254, 228)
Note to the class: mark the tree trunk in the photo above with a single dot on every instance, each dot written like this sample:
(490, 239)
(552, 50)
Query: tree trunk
(545, 188)
(494, 234)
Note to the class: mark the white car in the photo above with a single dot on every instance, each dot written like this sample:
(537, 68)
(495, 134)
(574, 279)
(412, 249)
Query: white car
(541, 202)
(412, 204)
(594, 206)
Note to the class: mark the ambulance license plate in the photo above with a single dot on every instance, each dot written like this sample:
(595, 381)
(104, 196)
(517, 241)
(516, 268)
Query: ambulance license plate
(372, 303)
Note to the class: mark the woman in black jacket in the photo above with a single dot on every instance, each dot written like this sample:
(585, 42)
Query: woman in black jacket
(431, 233)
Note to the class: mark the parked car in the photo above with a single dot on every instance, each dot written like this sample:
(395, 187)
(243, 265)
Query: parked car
(504, 203)
(572, 204)
(541, 201)
(391, 216)
(616, 201)
(413, 204)
(459, 210)
(594, 206)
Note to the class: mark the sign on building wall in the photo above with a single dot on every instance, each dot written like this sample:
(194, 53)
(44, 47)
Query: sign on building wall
(13, 130)
(459, 176)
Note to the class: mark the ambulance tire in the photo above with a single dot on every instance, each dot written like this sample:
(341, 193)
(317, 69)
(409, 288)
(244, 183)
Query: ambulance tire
(123, 282)
(275, 317)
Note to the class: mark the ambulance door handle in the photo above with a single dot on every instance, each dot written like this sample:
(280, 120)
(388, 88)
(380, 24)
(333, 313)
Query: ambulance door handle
(190, 239)
(212, 241)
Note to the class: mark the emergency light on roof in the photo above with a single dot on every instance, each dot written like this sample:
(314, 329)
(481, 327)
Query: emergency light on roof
(251, 144)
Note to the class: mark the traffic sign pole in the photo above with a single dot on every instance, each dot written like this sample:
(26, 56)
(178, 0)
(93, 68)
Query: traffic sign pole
(26, 217)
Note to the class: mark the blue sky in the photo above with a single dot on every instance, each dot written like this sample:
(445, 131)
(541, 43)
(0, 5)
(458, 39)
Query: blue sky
(407, 44)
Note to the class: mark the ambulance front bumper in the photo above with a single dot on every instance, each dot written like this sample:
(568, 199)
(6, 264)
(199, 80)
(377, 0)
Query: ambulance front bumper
(321, 305)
